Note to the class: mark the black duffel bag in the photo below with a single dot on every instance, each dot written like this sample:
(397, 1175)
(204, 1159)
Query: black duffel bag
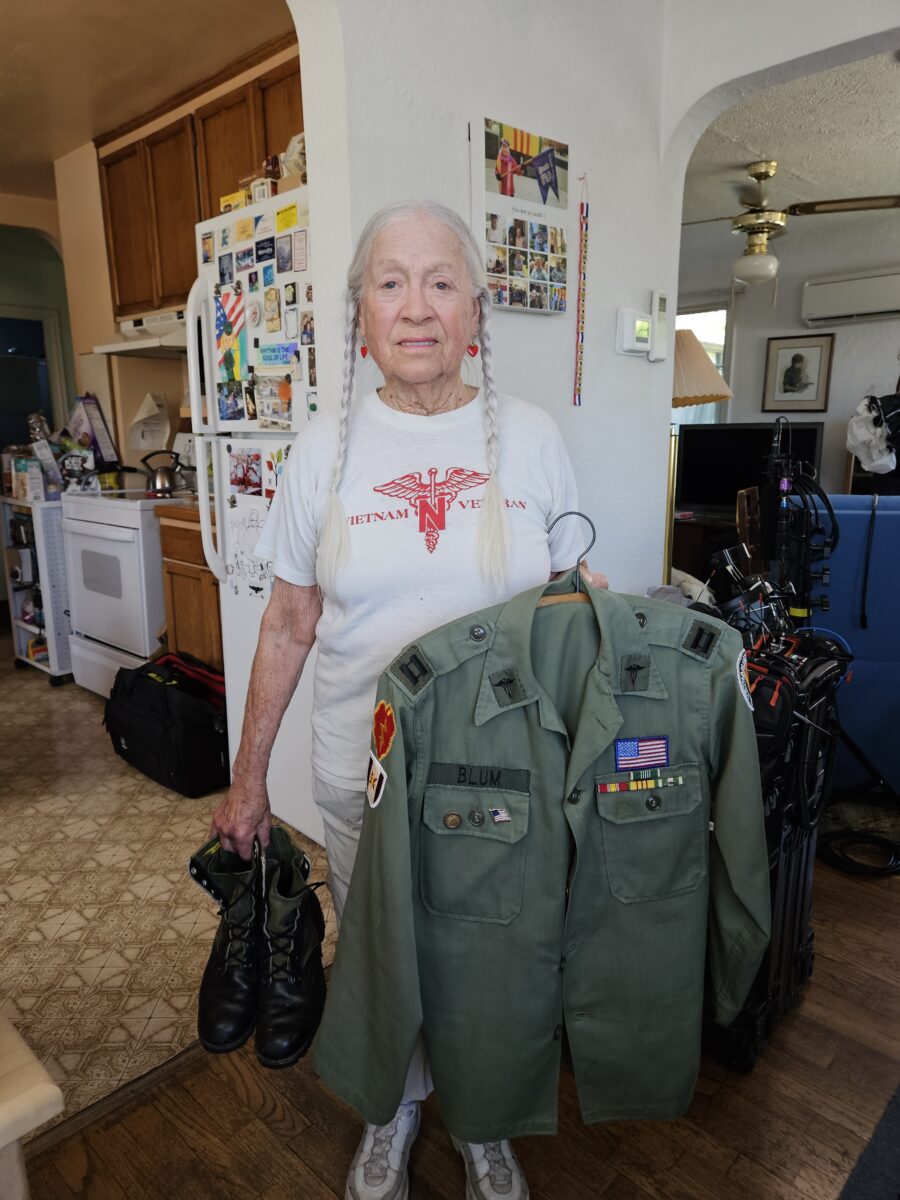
(167, 719)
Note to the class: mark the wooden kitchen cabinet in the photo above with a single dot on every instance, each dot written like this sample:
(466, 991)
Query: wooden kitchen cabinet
(126, 219)
(282, 106)
(230, 144)
(157, 188)
(175, 209)
(150, 208)
(190, 588)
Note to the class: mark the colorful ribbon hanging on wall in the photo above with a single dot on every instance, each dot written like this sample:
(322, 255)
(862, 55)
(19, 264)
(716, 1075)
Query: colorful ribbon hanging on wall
(582, 286)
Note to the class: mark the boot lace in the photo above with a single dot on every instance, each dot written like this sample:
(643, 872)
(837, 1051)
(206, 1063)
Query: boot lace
(239, 931)
(498, 1168)
(282, 952)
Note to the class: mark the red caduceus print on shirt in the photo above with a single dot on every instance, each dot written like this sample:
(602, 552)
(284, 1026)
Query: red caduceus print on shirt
(431, 500)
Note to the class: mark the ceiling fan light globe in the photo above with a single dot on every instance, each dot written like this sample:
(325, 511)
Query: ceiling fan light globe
(754, 268)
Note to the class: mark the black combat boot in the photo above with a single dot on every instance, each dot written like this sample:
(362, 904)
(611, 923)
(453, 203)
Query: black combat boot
(292, 979)
(230, 985)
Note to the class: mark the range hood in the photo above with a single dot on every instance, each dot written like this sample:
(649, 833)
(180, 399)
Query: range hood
(158, 335)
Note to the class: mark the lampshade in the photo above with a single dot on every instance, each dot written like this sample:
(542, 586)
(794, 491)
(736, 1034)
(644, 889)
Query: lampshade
(696, 379)
(754, 268)
(757, 264)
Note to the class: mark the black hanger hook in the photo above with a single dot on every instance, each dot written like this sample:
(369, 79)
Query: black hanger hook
(574, 513)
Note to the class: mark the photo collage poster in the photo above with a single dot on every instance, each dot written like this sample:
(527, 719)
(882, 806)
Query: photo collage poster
(265, 327)
(526, 234)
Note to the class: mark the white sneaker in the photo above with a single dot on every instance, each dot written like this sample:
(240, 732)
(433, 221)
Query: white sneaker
(492, 1171)
(378, 1171)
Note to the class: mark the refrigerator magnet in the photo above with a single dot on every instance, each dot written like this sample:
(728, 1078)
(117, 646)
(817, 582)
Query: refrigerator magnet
(300, 249)
(290, 294)
(265, 249)
(272, 303)
(226, 268)
(207, 247)
(243, 229)
(284, 258)
(244, 259)
(311, 366)
(307, 329)
(290, 322)
(250, 401)
(268, 275)
(253, 281)
(254, 312)
(225, 237)
(285, 218)
(309, 298)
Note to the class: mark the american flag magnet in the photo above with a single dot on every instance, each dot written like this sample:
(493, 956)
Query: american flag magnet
(635, 753)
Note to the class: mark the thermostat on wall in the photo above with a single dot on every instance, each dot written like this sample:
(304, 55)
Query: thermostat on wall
(633, 332)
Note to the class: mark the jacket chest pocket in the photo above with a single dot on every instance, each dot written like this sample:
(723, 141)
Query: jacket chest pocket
(655, 839)
(472, 856)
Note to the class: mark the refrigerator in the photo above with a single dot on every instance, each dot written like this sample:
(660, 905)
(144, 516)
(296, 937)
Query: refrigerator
(252, 375)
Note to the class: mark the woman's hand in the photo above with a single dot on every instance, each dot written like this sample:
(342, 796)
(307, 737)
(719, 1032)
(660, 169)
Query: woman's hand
(243, 815)
(592, 578)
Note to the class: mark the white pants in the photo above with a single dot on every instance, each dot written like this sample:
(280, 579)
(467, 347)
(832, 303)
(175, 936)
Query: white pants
(342, 814)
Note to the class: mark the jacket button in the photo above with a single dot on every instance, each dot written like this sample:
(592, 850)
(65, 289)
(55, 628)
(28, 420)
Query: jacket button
(574, 796)
(476, 817)
(477, 633)
(641, 619)
(453, 820)
(653, 803)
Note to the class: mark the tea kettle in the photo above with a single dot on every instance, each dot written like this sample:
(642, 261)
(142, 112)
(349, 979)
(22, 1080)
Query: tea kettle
(163, 480)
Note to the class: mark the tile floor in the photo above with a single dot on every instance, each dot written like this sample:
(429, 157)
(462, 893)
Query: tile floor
(103, 935)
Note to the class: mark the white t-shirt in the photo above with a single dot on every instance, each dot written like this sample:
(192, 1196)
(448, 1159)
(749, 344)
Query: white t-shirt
(412, 494)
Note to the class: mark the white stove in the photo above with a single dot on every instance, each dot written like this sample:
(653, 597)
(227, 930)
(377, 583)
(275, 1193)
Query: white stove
(116, 604)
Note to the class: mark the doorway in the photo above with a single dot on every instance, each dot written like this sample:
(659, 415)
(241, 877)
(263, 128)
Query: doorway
(24, 379)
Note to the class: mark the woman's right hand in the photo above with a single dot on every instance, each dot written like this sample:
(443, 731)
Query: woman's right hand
(243, 815)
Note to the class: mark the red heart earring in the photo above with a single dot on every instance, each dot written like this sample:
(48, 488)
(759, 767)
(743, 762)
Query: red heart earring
(472, 349)
(363, 348)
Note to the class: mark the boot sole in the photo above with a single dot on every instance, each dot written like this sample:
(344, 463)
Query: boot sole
(219, 1048)
(276, 1064)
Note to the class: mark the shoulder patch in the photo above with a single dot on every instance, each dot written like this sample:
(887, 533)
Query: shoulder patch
(702, 639)
(744, 679)
(411, 670)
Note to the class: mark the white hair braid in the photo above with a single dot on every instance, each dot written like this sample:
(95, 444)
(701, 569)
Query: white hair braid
(334, 542)
(493, 527)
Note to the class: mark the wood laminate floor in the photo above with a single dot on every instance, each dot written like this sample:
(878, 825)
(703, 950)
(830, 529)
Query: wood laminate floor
(792, 1129)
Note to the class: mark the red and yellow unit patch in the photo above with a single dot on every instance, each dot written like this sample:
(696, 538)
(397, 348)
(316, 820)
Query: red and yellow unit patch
(384, 728)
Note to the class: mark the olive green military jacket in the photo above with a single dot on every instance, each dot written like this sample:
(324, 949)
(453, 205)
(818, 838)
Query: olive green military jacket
(516, 876)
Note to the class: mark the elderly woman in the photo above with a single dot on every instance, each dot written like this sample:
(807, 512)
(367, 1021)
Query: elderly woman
(415, 504)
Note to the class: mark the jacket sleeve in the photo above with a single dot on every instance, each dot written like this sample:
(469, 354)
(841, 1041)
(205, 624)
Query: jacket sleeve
(373, 1014)
(739, 916)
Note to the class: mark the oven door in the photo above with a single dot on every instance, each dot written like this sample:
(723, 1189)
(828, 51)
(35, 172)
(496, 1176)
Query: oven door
(106, 584)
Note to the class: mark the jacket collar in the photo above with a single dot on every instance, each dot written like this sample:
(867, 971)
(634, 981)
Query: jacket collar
(508, 675)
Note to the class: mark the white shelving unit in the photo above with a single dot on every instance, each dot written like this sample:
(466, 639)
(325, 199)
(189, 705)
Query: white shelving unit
(41, 522)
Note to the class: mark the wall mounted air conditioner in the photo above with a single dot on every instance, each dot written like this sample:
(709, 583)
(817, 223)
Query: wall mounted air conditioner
(861, 296)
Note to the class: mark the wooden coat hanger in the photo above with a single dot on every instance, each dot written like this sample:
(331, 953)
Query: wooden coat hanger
(577, 596)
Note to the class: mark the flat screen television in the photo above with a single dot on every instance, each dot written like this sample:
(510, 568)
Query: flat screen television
(717, 461)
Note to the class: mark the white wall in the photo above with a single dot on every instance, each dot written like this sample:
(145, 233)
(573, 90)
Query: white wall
(611, 79)
(865, 355)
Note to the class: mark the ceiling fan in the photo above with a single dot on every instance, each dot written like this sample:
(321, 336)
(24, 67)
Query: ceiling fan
(759, 222)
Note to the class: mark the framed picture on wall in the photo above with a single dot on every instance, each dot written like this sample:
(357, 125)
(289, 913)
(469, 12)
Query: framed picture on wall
(798, 372)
